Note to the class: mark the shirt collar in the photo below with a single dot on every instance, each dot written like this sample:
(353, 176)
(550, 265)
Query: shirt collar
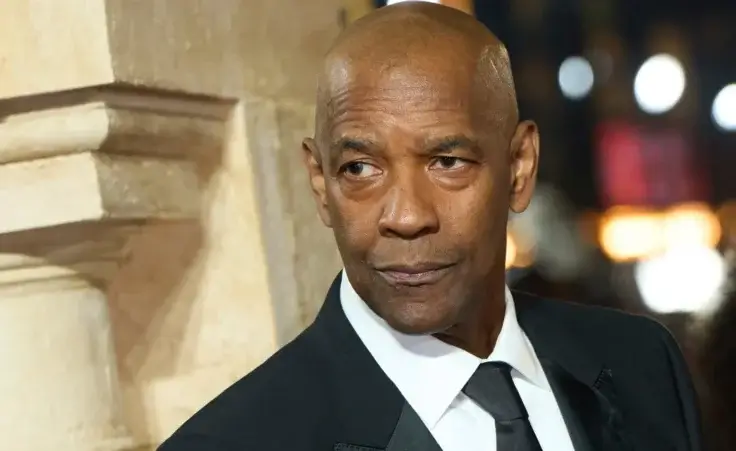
(422, 364)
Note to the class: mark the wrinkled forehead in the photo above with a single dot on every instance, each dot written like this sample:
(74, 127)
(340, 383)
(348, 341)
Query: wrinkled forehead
(402, 84)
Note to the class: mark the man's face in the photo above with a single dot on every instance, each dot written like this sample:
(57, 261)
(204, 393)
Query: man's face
(417, 191)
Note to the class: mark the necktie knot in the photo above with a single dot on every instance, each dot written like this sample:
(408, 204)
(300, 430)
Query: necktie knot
(492, 387)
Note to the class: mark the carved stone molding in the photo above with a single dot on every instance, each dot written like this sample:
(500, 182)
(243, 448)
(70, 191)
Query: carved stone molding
(105, 153)
(81, 172)
(64, 256)
(112, 119)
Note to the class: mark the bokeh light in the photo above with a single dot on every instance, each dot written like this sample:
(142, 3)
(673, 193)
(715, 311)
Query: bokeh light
(576, 77)
(724, 108)
(659, 84)
(686, 279)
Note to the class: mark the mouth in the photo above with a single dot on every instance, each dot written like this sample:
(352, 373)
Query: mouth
(414, 275)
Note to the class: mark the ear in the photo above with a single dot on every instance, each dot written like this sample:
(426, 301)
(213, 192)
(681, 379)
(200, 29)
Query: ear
(313, 163)
(524, 164)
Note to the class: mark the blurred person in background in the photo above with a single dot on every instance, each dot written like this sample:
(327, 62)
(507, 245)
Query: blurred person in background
(417, 158)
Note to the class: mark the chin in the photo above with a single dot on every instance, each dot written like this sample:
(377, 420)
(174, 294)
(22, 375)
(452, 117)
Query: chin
(422, 310)
(416, 320)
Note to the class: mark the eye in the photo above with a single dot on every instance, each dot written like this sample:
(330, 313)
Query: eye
(450, 163)
(359, 169)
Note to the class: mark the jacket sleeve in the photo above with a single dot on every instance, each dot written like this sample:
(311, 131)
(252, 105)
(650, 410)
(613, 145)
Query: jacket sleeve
(689, 405)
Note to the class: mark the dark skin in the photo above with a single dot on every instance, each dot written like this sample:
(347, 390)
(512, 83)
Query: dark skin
(418, 157)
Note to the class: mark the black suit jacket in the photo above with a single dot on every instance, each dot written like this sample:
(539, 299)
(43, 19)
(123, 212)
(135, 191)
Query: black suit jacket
(620, 381)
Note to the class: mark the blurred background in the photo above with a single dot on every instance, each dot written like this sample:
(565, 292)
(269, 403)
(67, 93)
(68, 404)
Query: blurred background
(636, 206)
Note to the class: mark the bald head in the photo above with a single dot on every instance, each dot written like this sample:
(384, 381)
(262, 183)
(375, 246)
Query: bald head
(441, 45)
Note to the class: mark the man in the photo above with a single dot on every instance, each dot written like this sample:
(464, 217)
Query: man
(417, 157)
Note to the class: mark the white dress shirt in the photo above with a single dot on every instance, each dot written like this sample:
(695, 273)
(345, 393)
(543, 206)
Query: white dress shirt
(430, 374)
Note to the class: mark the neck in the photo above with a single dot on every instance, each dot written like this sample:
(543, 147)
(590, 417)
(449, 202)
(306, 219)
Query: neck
(478, 331)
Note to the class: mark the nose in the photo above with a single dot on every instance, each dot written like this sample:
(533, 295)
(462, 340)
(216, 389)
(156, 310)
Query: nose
(408, 210)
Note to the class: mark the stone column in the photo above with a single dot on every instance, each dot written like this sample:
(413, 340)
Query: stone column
(59, 383)
(181, 119)
(81, 175)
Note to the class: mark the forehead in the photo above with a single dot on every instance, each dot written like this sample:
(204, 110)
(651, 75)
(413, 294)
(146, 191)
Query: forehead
(401, 89)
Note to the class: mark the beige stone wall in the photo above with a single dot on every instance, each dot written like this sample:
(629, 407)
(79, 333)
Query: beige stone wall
(157, 235)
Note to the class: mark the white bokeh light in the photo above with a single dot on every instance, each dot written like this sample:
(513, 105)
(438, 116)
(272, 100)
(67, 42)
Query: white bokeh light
(575, 77)
(659, 84)
(724, 108)
(685, 279)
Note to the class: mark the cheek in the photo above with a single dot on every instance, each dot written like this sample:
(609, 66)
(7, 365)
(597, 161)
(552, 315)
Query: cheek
(354, 229)
(474, 217)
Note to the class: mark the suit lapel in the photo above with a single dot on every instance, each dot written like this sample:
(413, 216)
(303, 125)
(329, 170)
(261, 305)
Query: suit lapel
(591, 418)
(375, 415)
(411, 434)
(582, 384)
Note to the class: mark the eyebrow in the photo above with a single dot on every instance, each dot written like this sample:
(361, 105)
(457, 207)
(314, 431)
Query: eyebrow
(347, 144)
(358, 144)
(450, 143)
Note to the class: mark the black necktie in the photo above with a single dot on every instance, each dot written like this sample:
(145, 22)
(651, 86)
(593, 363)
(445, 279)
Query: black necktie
(493, 389)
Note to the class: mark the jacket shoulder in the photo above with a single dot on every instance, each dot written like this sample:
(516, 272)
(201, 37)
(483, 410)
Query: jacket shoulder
(597, 320)
(282, 394)
(610, 333)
